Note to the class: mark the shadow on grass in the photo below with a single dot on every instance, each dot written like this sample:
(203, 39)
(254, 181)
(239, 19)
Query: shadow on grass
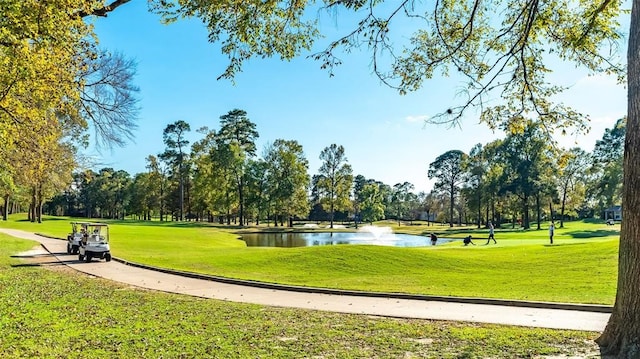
(173, 224)
(460, 231)
(592, 234)
(40, 264)
(564, 244)
(45, 219)
(129, 222)
(232, 227)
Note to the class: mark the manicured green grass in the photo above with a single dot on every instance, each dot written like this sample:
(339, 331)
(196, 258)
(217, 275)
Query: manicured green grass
(581, 266)
(53, 314)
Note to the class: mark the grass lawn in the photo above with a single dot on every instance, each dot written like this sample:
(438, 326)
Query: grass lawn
(58, 313)
(581, 266)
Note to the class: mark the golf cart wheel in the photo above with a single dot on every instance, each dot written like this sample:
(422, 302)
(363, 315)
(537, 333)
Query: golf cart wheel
(107, 257)
(80, 257)
(87, 258)
(68, 248)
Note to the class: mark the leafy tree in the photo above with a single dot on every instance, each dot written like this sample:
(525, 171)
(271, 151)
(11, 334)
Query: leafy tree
(174, 138)
(492, 181)
(111, 192)
(608, 157)
(450, 173)
(204, 179)
(238, 132)
(386, 192)
(523, 154)
(611, 147)
(358, 185)
(42, 164)
(84, 182)
(413, 206)
(155, 186)
(137, 197)
(545, 185)
(7, 188)
(371, 203)
(214, 181)
(55, 81)
(475, 186)
(318, 213)
(335, 180)
(258, 188)
(429, 205)
(287, 178)
(400, 198)
(146, 191)
(571, 166)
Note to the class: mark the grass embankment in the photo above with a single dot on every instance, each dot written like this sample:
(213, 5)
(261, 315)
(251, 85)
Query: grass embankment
(580, 267)
(63, 314)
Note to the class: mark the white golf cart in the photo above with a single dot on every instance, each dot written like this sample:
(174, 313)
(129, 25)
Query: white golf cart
(74, 239)
(95, 243)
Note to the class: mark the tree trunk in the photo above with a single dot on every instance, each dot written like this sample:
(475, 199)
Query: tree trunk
(621, 337)
(5, 208)
(162, 199)
(332, 213)
(525, 212)
(181, 189)
(487, 213)
(451, 206)
(39, 205)
(495, 218)
(538, 210)
(564, 199)
(479, 220)
(32, 207)
(241, 200)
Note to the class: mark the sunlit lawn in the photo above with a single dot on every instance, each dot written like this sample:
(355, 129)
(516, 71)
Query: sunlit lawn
(63, 314)
(580, 267)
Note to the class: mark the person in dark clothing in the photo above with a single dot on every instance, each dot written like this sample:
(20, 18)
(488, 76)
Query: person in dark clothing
(434, 239)
(467, 240)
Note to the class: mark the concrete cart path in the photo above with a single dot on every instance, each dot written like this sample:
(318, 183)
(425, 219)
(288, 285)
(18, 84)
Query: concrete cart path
(382, 306)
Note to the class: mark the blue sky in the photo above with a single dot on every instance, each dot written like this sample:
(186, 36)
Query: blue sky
(384, 134)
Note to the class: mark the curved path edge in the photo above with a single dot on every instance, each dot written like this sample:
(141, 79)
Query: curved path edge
(357, 293)
(509, 312)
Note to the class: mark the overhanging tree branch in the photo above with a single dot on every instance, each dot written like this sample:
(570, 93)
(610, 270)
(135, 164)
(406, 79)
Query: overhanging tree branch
(103, 11)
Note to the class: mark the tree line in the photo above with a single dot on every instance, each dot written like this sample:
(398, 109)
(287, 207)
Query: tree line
(523, 178)
(527, 178)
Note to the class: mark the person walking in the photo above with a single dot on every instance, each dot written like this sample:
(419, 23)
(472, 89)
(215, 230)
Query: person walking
(491, 234)
(551, 230)
(434, 239)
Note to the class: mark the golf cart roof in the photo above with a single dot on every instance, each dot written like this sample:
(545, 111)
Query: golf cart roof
(93, 224)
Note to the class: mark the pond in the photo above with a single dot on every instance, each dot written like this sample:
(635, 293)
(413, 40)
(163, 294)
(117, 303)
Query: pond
(378, 237)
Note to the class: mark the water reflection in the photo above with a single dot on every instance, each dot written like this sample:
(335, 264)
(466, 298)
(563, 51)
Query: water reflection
(328, 239)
